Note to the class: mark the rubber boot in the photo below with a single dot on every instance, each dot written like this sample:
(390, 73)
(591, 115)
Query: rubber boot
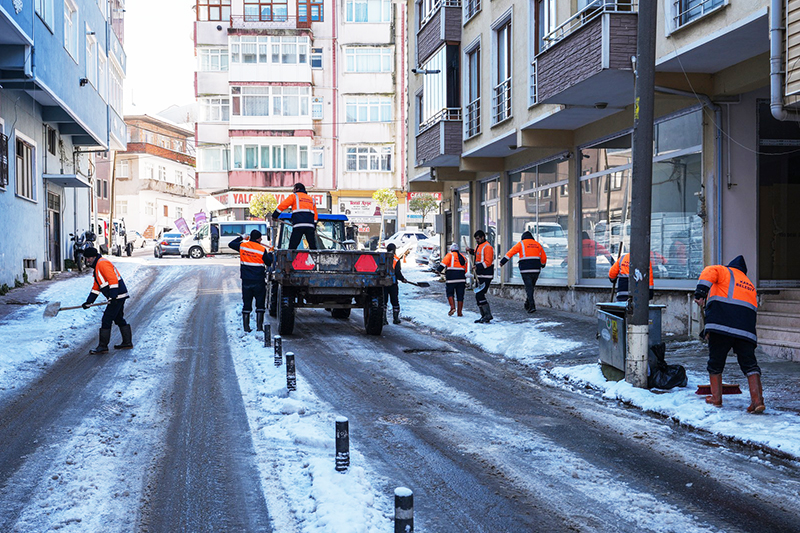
(246, 321)
(396, 315)
(460, 308)
(489, 316)
(716, 390)
(482, 319)
(756, 394)
(259, 320)
(102, 346)
(127, 341)
(452, 303)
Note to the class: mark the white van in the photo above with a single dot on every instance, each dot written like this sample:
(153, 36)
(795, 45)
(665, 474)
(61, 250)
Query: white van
(199, 244)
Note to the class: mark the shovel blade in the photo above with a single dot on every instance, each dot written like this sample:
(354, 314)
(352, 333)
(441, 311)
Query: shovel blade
(52, 309)
(423, 284)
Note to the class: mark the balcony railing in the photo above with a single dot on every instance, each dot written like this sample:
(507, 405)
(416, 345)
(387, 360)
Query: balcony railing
(275, 20)
(471, 8)
(591, 12)
(448, 113)
(501, 104)
(472, 127)
(435, 7)
(534, 93)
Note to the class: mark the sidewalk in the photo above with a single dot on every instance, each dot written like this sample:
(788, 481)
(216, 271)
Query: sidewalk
(564, 348)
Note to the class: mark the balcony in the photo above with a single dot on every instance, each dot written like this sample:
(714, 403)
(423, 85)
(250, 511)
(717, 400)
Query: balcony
(501, 102)
(442, 24)
(275, 21)
(439, 139)
(587, 59)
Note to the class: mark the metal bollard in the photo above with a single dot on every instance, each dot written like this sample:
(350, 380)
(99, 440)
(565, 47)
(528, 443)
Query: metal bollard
(278, 350)
(403, 510)
(291, 378)
(342, 444)
(267, 333)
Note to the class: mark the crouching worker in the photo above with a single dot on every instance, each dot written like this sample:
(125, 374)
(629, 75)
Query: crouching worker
(254, 259)
(392, 292)
(109, 283)
(454, 266)
(728, 298)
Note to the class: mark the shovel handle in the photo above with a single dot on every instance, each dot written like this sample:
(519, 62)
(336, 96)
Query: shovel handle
(80, 306)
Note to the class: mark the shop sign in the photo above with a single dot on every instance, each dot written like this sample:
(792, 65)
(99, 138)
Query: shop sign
(242, 199)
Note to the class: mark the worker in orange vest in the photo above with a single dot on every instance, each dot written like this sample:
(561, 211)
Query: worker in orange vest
(304, 217)
(254, 259)
(392, 292)
(620, 272)
(454, 266)
(730, 304)
(532, 259)
(109, 283)
(484, 272)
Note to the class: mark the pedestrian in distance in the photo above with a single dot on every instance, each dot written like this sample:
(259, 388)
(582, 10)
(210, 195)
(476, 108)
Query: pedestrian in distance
(620, 272)
(254, 258)
(214, 238)
(392, 292)
(590, 250)
(454, 266)
(109, 283)
(729, 302)
(532, 259)
(484, 272)
(304, 217)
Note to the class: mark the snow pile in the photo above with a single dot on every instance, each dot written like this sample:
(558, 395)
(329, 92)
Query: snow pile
(293, 435)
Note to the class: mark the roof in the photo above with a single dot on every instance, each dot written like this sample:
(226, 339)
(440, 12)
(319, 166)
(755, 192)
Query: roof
(323, 216)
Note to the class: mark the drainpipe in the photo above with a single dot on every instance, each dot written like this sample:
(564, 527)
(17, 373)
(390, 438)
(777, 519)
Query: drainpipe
(718, 163)
(775, 64)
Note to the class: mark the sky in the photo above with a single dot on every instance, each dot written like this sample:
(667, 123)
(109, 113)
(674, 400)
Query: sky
(92, 481)
(160, 48)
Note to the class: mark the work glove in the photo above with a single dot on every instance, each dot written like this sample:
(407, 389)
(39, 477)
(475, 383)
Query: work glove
(503, 261)
(86, 304)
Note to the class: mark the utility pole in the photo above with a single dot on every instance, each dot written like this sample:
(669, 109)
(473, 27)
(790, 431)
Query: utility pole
(641, 196)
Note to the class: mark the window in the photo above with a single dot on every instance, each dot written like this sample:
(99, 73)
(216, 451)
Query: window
(98, 188)
(149, 171)
(368, 11)
(368, 59)
(178, 212)
(149, 208)
(290, 101)
(316, 58)
(179, 177)
(368, 109)
(426, 9)
(105, 189)
(91, 56)
(162, 173)
(46, 12)
(309, 10)
(102, 76)
(472, 124)
(686, 11)
(213, 59)
(122, 207)
(115, 94)
(214, 110)
(276, 49)
(286, 101)
(26, 187)
(214, 10)
(212, 159)
(266, 10)
(270, 157)
(3, 159)
(471, 8)
(250, 101)
(123, 170)
(441, 88)
(71, 29)
(316, 108)
(545, 23)
(166, 210)
(52, 140)
(369, 158)
(317, 157)
(501, 103)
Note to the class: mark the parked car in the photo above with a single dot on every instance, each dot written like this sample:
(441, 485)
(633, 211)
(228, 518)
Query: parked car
(137, 238)
(405, 240)
(425, 249)
(168, 244)
(199, 244)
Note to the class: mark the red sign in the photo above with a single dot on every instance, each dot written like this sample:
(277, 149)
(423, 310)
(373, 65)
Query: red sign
(242, 199)
(436, 195)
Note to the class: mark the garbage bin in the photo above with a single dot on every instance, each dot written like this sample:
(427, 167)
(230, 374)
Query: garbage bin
(612, 330)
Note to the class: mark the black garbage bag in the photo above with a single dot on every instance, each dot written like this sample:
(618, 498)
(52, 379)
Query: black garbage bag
(660, 374)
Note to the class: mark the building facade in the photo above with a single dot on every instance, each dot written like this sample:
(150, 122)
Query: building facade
(528, 126)
(303, 92)
(62, 65)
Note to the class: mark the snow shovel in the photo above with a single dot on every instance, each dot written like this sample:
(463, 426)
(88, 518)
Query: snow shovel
(727, 388)
(479, 288)
(423, 284)
(53, 308)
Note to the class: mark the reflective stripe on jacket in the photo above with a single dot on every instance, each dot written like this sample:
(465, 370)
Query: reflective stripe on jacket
(620, 271)
(254, 258)
(484, 261)
(304, 210)
(456, 265)
(532, 257)
(731, 304)
(108, 281)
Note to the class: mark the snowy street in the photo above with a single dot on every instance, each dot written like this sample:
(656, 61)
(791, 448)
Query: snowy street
(501, 427)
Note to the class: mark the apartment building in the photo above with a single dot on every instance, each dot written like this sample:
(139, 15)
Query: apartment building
(61, 72)
(303, 91)
(523, 119)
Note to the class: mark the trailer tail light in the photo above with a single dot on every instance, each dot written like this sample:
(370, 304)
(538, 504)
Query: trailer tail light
(303, 261)
(366, 263)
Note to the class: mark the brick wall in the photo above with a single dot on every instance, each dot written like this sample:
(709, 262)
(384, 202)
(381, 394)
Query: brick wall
(570, 61)
(443, 138)
(622, 41)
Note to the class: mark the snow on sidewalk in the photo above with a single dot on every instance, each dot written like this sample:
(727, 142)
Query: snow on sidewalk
(531, 341)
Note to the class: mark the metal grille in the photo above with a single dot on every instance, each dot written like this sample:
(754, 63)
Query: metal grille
(471, 7)
(501, 108)
(688, 10)
(593, 10)
(3, 160)
(448, 113)
(473, 125)
(534, 93)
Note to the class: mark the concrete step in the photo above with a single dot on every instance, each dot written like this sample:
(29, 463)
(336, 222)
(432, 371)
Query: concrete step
(779, 306)
(778, 320)
(782, 334)
(789, 351)
(784, 294)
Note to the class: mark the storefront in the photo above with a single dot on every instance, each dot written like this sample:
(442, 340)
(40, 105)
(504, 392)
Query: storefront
(234, 205)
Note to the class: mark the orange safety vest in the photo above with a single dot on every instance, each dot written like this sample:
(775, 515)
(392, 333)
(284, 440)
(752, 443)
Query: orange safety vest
(484, 261)
(621, 272)
(532, 257)
(251, 253)
(456, 269)
(304, 210)
(108, 281)
(732, 302)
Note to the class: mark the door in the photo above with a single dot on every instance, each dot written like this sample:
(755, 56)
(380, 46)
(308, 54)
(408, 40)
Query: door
(778, 194)
(54, 230)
